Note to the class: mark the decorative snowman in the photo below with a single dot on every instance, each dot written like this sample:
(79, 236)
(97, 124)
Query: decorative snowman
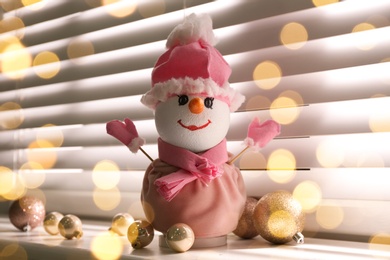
(192, 181)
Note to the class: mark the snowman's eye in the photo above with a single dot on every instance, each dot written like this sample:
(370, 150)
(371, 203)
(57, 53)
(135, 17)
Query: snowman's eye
(183, 99)
(208, 102)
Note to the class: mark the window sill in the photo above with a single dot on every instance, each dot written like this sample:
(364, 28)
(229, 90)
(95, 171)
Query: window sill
(37, 244)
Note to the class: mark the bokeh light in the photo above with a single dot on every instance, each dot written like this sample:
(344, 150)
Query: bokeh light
(106, 199)
(380, 120)
(145, 207)
(13, 251)
(106, 245)
(15, 58)
(93, 3)
(12, 24)
(6, 180)
(120, 8)
(150, 9)
(380, 241)
(32, 175)
(309, 195)
(34, 4)
(363, 44)
(281, 176)
(79, 47)
(106, 175)
(258, 102)
(267, 74)
(291, 94)
(252, 161)
(294, 36)
(330, 153)
(281, 159)
(285, 110)
(329, 216)
(11, 5)
(50, 133)
(42, 152)
(17, 190)
(12, 115)
(46, 64)
(324, 2)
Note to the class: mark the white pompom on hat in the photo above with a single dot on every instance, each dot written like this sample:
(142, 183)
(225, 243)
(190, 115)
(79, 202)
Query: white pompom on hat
(192, 66)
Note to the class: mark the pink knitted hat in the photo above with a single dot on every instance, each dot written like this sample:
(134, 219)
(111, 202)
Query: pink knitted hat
(192, 66)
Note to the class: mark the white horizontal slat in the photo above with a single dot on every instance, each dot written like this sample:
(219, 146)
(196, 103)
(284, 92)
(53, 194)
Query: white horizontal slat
(361, 82)
(372, 186)
(103, 87)
(327, 21)
(316, 55)
(82, 113)
(117, 61)
(73, 18)
(334, 183)
(332, 118)
(371, 150)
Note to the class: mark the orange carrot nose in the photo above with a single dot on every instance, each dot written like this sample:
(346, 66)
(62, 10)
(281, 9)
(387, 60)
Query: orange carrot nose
(196, 105)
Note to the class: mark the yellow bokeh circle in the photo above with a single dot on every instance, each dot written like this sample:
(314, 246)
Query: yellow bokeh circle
(106, 245)
(46, 64)
(267, 74)
(294, 35)
(106, 175)
(285, 110)
(309, 195)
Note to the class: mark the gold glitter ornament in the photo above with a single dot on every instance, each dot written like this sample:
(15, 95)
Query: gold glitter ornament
(140, 234)
(27, 213)
(120, 223)
(70, 227)
(245, 227)
(180, 237)
(279, 218)
(50, 223)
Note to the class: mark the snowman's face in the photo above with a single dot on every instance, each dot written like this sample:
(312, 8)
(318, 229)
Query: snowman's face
(195, 123)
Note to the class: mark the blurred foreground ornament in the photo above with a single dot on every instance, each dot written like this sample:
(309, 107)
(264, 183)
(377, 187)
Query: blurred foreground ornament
(140, 234)
(180, 237)
(70, 227)
(279, 218)
(246, 228)
(27, 213)
(50, 223)
(120, 223)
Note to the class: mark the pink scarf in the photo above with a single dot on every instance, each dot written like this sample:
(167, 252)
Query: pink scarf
(204, 167)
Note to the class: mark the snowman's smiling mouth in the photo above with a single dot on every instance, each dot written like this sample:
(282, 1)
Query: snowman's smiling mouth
(194, 127)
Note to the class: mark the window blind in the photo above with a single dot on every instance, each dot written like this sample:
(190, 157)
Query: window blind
(319, 68)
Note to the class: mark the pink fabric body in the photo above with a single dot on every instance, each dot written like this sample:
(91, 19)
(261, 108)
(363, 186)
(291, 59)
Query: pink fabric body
(194, 60)
(210, 210)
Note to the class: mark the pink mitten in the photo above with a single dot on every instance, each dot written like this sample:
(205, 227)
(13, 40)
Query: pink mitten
(126, 133)
(259, 134)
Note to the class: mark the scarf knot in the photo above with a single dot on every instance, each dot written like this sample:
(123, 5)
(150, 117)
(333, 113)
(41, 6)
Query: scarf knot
(204, 167)
(206, 171)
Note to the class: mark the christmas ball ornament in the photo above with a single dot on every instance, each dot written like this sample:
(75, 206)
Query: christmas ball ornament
(70, 227)
(245, 227)
(120, 223)
(140, 234)
(180, 237)
(50, 223)
(279, 218)
(27, 213)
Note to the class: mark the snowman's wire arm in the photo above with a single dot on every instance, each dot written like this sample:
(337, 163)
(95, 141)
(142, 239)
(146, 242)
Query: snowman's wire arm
(146, 154)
